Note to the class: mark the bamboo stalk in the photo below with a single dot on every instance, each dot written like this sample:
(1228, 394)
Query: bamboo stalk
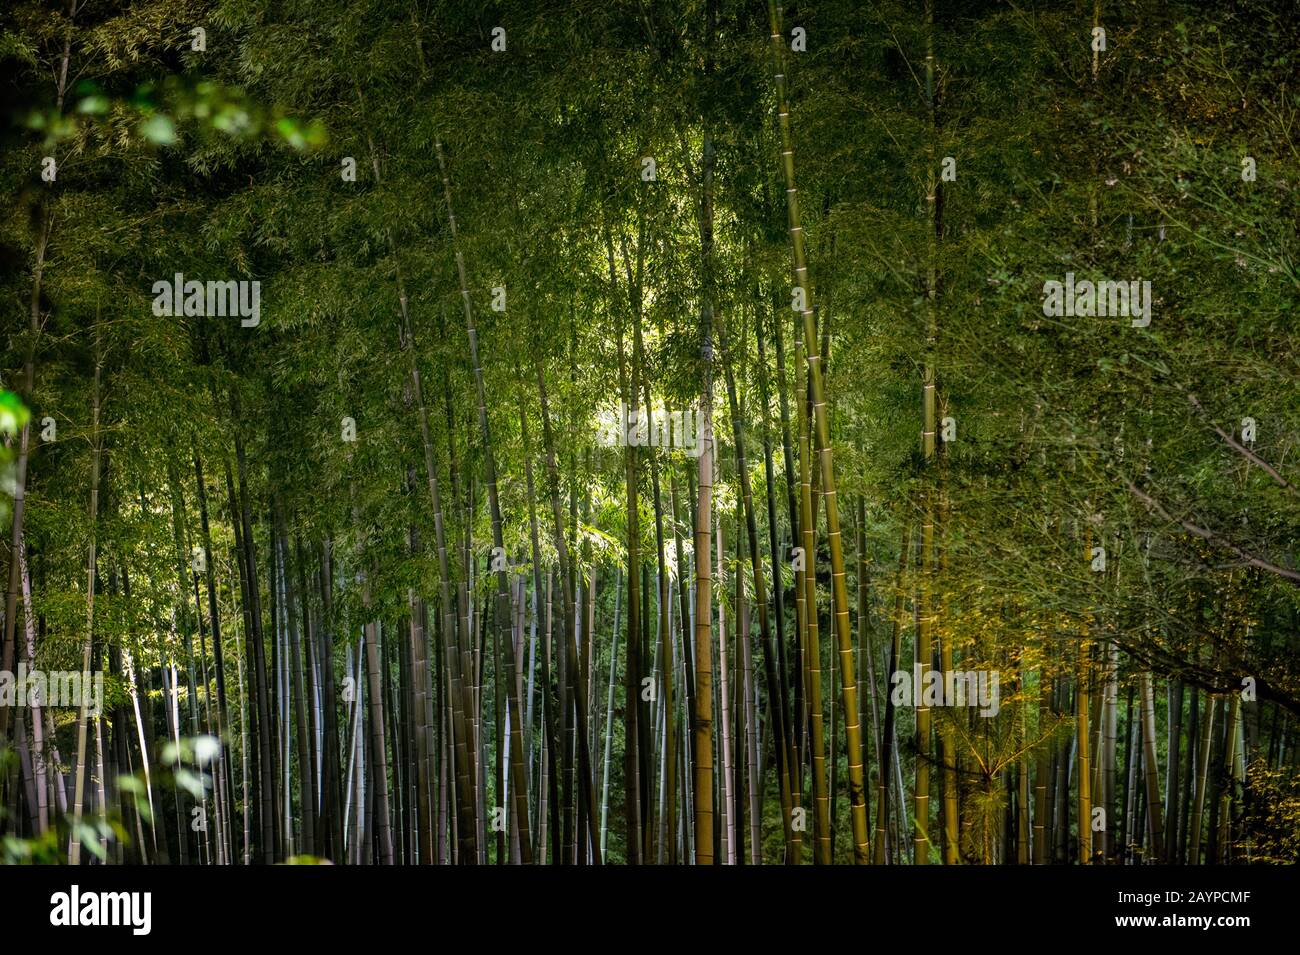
(857, 794)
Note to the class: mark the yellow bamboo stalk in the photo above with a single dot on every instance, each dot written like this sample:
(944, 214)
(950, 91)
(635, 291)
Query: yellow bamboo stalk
(844, 638)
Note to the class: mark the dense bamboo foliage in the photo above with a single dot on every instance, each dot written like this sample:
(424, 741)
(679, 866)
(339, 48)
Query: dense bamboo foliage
(699, 432)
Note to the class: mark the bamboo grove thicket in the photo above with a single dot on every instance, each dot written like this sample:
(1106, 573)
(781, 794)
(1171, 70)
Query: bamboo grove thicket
(646, 419)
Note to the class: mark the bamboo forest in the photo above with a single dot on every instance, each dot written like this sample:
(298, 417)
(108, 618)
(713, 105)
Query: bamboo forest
(650, 432)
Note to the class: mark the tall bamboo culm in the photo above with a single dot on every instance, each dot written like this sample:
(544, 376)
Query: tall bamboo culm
(844, 639)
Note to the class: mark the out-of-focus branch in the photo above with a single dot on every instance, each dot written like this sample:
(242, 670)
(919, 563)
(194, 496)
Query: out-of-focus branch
(1240, 448)
(1213, 538)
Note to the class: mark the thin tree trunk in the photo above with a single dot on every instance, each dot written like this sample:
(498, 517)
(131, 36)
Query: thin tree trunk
(1175, 726)
(378, 752)
(1083, 761)
(306, 778)
(774, 662)
(724, 698)
(41, 781)
(517, 769)
(1151, 768)
(586, 787)
(887, 739)
(857, 794)
(811, 643)
(333, 817)
(258, 685)
(7, 652)
(74, 850)
(1042, 772)
(609, 724)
